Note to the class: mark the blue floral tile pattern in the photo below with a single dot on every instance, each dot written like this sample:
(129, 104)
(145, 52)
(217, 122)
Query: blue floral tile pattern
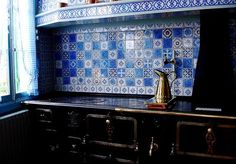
(122, 58)
(132, 9)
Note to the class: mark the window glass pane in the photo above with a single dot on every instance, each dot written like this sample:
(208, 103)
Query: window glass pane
(4, 52)
(24, 44)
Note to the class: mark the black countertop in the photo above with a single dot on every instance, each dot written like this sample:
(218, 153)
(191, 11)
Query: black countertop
(98, 102)
(125, 103)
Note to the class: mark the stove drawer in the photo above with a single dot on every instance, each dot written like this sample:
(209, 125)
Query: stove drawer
(75, 123)
(115, 129)
(206, 140)
(43, 115)
(111, 139)
(109, 159)
(111, 152)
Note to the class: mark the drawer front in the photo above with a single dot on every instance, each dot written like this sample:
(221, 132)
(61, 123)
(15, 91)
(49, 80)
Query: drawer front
(45, 124)
(43, 115)
(46, 132)
(111, 154)
(95, 158)
(75, 123)
(205, 140)
(116, 129)
(74, 149)
(111, 139)
(74, 145)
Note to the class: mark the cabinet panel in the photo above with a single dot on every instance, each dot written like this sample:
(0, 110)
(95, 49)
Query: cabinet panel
(206, 140)
(110, 153)
(95, 158)
(43, 115)
(111, 139)
(74, 149)
(74, 132)
(75, 123)
(116, 129)
(46, 132)
(92, 136)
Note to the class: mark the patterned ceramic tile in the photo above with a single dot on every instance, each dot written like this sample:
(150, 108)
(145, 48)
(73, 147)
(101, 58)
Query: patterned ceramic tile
(123, 61)
(137, 8)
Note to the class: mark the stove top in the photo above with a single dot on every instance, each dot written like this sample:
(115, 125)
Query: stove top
(105, 101)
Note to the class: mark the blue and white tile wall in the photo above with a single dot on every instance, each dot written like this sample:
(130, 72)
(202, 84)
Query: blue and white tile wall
(140, 6)
(47, 5)
(122, 58)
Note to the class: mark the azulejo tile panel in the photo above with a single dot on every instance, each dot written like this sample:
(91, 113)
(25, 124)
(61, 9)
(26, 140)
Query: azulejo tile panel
(123, 8)
(122, 58)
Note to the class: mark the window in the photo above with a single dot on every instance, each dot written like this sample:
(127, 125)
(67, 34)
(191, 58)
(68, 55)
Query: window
(4, 51)
(18, 75)
(24, 46)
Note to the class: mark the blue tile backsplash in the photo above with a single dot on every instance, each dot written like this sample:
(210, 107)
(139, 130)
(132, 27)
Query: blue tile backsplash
(121, 58)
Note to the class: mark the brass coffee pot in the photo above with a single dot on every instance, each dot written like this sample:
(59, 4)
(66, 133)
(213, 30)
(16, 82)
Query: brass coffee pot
(163, 92)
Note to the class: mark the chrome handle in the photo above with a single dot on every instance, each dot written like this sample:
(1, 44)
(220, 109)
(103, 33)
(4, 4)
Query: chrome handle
(153, 147)
(109, 129)
(84, 140)
(136, 148)
(172, 150)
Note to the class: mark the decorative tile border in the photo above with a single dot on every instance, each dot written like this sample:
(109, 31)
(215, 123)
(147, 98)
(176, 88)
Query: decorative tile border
(123, 9)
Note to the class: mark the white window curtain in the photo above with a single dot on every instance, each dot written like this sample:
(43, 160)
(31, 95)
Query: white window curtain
(4, 52)
(24, 45)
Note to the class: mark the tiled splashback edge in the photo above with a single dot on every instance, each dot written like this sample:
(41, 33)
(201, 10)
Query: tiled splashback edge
(45, 58)
(121, 58)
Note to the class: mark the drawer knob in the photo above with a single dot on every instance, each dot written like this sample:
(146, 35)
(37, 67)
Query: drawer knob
(108, 121)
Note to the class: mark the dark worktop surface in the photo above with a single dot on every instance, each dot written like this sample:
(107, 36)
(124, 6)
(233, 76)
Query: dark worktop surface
(123, 103)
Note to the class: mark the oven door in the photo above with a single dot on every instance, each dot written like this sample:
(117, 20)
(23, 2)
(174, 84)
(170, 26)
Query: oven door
(111, 139)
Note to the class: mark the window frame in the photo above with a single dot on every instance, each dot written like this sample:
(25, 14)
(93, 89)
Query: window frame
(13, 100)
